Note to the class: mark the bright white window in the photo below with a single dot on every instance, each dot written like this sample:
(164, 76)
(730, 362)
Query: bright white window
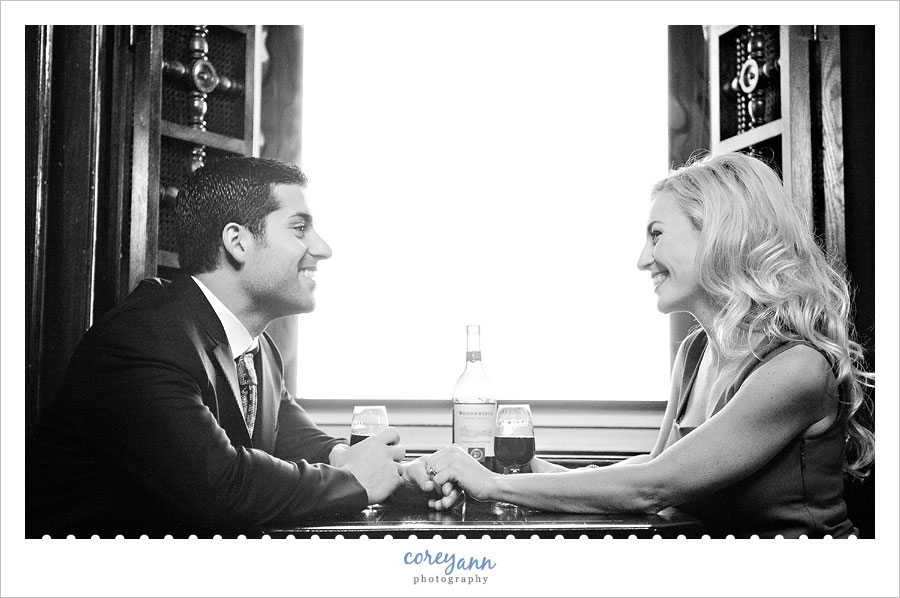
(483, 172)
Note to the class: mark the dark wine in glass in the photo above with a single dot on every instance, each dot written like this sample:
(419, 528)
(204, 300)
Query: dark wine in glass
(513, 437)
(367, 421)
(514, 451)
(354, 438)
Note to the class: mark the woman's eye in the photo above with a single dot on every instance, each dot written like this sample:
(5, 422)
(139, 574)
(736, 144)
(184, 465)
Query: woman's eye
(654, 236)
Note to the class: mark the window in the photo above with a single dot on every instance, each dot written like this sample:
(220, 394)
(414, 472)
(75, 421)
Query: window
(465, 174)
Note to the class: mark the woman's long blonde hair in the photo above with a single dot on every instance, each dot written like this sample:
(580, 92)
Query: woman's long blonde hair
(760, 263)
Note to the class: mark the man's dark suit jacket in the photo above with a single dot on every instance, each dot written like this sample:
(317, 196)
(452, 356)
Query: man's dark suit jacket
(147, 436)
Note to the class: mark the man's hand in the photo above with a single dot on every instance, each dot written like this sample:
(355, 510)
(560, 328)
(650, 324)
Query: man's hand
(375, 462)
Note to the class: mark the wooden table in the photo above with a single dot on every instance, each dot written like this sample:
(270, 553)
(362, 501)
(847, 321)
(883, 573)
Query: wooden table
(474, 519)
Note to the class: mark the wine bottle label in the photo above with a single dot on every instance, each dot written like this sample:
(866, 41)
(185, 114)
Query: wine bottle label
(473, 428)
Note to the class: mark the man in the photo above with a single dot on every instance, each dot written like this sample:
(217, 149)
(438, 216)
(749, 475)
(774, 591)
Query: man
(173, 417)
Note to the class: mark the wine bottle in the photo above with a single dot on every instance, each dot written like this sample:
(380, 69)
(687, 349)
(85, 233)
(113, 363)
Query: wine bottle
(474, 404)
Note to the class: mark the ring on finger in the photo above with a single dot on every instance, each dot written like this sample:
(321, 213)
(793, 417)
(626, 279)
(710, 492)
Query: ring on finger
(431, 471)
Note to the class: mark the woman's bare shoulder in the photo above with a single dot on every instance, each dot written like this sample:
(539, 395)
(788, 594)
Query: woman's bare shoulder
(800, 376)
(803, 364)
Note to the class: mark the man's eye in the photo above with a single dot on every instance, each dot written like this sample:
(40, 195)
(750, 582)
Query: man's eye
(654, 236)
(300, 228)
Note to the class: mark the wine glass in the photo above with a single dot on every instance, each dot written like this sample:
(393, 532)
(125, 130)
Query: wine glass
(367, 421)
(513, 437)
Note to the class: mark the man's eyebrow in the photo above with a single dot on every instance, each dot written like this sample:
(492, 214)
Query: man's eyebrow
(303, 216)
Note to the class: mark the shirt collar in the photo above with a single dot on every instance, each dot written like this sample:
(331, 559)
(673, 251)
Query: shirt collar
(239, 340)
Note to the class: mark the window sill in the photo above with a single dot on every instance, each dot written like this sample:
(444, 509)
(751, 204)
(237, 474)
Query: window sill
(585, 427)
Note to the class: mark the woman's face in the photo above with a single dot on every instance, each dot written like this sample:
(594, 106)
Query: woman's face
(669, 255)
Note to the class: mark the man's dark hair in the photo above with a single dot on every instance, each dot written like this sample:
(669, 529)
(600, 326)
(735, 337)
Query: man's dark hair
(228, 190)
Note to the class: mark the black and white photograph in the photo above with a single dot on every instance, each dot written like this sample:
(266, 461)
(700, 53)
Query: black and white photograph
(442, 298)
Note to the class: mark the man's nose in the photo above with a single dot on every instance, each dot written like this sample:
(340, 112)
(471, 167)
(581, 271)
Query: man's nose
(319, 248)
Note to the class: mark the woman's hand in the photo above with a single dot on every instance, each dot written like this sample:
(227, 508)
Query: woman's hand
(454, 464)
(445, 496)
(414, 473)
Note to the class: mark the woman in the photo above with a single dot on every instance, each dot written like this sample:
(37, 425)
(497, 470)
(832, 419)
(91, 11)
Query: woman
(762, 420)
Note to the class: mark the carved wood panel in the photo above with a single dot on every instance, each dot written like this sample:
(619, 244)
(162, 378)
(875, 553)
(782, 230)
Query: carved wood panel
(776, 94)
(200, 85)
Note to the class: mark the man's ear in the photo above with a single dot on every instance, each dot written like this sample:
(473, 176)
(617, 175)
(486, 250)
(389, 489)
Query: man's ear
(236, 241)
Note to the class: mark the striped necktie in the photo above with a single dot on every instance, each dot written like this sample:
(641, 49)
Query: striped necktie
(246, 371)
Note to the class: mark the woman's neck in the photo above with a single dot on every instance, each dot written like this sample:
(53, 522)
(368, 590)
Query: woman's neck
(716, 352)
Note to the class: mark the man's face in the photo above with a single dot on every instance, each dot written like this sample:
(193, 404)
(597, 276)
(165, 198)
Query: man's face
(280, 271)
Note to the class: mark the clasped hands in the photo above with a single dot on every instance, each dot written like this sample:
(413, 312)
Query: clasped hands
(376, 462)
(447, 473)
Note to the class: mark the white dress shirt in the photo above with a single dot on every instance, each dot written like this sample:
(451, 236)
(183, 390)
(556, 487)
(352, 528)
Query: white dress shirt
(239, 339)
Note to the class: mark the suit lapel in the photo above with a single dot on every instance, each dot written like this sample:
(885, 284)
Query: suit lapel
(228, 391)
(269, 397)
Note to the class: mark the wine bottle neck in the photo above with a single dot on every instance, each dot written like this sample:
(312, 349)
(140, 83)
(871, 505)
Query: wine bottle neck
(473, 341)
(473, 356)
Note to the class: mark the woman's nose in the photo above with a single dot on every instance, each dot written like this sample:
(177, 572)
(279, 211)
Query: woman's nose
(646, 257)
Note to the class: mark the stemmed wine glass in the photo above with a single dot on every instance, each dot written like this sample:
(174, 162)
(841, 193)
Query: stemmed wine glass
(513, 440)
(367, 420)
(513, 437)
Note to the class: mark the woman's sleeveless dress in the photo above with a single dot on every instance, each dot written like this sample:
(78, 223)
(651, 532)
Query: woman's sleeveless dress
(800, 491)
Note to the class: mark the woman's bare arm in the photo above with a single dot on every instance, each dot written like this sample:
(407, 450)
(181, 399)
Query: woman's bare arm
(775, 404)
